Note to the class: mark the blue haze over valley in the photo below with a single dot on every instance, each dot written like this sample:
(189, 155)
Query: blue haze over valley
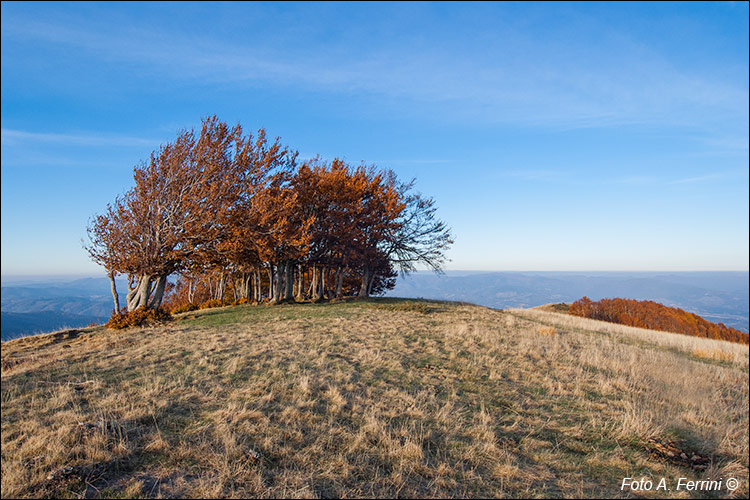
(35, 305)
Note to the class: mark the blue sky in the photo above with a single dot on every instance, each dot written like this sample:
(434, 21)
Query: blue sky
(553, 136)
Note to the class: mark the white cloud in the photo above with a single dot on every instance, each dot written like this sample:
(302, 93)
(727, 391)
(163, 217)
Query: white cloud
(16, 137)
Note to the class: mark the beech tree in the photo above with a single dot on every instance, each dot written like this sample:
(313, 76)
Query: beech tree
(106, 248)
(419, 236)
(154, 224)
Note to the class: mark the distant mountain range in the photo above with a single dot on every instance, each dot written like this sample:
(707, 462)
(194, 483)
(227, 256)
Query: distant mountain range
(41, 306)
(716, 296)
(30, 307)
(21, 324)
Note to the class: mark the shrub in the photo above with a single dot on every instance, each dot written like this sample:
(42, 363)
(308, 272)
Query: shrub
(184, 308)
(140, 317)
(212, 303)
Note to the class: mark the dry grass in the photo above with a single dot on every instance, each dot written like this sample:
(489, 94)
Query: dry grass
(546, 330)
(731, 352)
(714, 354)
(350, 400)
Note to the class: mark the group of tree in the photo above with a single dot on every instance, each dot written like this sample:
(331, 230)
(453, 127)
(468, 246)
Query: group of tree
(234, 217)
(654, 316)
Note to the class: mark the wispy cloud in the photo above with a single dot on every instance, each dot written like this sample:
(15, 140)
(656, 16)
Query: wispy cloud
(510, 79)
(729, 145)
(700, 178)
(654, 180)
(16, 137)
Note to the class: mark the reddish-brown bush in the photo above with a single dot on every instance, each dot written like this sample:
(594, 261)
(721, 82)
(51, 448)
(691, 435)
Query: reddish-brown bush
(184, 308)
(654, 316)
(140, 317)
(214, 303)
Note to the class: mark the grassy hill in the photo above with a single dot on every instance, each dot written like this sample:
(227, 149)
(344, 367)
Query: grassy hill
(378, 398)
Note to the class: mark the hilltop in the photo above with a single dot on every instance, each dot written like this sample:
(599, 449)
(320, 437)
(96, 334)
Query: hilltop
(375, 398)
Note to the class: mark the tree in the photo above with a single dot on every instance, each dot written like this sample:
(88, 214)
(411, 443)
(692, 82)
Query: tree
(106, 246)
(419, 237)
(162, 220)
(160, 208)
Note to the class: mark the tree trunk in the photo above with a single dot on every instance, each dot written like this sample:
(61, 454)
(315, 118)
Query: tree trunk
(155, 302)
(315, 285)
(339, 282)
(289, 273)
(251, 285)
(309, 292)
(364, 289)
(220, 288)
(139, 296)
(146, 290)
(270, 282)
(300, 283)
(132, 290)
(246, 277)
(115, 297)
(279, 283)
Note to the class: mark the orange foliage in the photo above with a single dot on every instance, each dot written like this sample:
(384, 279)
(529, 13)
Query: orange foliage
(184, 308)
(140, 317)
(654, 316)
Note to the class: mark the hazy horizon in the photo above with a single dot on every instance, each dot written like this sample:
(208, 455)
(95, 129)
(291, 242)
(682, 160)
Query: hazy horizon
(63, 276)
(46, 303)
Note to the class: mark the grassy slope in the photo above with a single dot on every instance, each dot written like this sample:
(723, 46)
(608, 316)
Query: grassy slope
(368, 399)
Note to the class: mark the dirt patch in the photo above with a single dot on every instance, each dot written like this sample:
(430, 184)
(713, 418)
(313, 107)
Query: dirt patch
(676, 453)
(66, 335)
(9, 362)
